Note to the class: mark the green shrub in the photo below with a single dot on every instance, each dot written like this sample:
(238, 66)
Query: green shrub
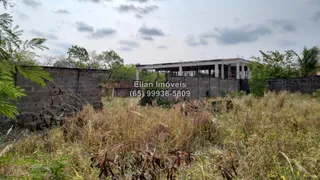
(40, 166)
(223, 93)
(52, 169)
(273, 64)
(236, 93)
(316, 94)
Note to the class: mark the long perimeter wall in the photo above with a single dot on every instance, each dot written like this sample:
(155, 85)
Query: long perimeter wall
(199, 86)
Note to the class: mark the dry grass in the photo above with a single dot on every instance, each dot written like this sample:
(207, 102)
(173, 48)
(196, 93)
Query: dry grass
(275, 137)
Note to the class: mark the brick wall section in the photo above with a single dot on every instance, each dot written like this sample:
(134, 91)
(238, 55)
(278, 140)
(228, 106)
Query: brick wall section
(71, 90)
(303, 85)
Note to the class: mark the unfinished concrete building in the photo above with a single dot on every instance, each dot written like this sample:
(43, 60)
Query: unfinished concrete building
(204, 78)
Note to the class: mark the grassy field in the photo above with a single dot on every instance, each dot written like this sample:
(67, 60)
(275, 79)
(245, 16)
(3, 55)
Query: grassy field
(274, 137)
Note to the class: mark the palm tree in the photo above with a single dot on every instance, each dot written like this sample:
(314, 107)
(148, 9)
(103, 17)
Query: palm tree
(308, 62)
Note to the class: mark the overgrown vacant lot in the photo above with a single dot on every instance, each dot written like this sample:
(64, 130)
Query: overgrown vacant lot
(274, 137)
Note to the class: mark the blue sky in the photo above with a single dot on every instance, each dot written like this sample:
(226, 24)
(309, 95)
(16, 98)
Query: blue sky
(157, 31)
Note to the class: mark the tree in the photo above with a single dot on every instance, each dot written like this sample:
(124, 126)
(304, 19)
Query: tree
(273, 64)
(114, 63)
(151, 77)
(123, 73)
(308, 62)
(65, 62)
(110, 59)
(79, 56)
(49, 60)
(15, 53)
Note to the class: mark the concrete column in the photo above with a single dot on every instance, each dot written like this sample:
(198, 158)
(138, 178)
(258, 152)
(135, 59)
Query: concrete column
(137, 74)
(238, 72)
(222, 71)
(242, 71)
(216, 70)
(229, 71)
(180, 71)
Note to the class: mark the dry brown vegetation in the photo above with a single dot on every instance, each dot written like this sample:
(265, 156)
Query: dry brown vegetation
(274, 137)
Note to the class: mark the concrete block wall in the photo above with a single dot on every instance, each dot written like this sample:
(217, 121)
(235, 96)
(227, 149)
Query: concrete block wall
(69, 92)
(303, 85)
(191, 84)
(224, 85)
(89, 86)
(204, 86)
(199, 86)
(215, 85)
(315, 81)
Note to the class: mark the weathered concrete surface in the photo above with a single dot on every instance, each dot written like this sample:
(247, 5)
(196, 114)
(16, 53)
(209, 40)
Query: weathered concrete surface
(303, 85)
(200, 87)
(71, 90)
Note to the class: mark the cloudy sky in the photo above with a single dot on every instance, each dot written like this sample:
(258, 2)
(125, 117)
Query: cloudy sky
(157, 31)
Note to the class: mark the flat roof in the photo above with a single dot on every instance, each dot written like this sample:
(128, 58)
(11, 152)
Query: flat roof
(57, 67)
(193, 63)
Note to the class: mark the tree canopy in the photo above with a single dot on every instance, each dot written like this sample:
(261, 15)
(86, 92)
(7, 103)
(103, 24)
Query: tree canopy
(110, 59)
(79, 57)
(309, 61)
(274, 64)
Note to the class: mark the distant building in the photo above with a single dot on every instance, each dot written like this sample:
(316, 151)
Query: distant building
(206, 78)
(220, 68)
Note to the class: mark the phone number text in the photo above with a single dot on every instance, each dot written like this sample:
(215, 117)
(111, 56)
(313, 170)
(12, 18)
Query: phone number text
(159, 93)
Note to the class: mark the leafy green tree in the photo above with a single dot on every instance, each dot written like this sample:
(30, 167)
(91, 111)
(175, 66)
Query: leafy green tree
(110, 59)
(128, 73)
(259, 78)
(114, 63)
(148, 76)
(79, 56)
(13, 55)
(123, 73)
(95, 62)
(308, 62)
(272, 64)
